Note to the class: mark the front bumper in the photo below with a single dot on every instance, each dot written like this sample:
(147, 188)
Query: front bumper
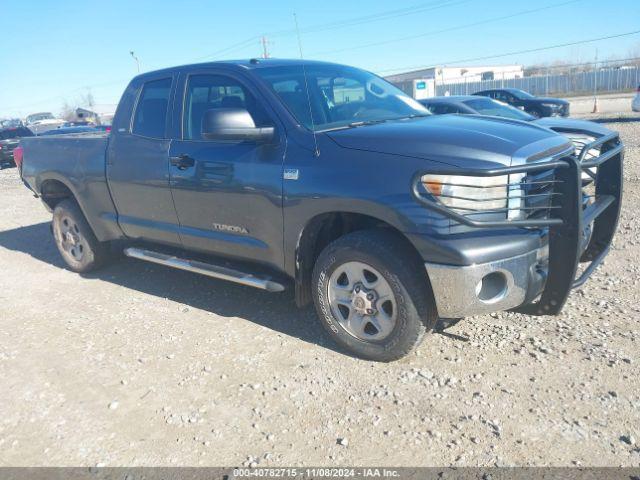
(518, 280)
(557, 111)
(462, 291)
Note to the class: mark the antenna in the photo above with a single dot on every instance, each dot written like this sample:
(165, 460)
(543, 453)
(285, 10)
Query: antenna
(316, 150)
(265, 47)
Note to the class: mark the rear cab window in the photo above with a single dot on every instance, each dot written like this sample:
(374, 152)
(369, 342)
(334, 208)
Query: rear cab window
(150, 117)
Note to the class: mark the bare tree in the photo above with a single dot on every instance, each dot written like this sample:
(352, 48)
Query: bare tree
(634, 52)
(67, 112)
(87, 100)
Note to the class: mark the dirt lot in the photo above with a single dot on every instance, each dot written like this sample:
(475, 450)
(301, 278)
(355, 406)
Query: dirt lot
(142, 365)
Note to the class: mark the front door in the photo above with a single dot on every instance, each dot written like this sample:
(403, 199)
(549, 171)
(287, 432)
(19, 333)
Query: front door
(138, 168)
(228, 195)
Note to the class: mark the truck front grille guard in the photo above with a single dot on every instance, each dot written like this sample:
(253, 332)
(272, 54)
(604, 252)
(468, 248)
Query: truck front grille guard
(563, 207)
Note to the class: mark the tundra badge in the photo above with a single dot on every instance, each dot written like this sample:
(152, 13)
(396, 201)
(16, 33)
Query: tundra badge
(230, 228)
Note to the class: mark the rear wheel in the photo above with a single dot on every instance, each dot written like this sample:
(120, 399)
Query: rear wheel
(75, 240)
(372, 296)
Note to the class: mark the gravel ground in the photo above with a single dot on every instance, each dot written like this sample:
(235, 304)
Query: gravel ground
(142, 365)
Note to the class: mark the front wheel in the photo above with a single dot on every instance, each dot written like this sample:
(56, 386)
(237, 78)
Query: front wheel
(372, 295)
(75, 239)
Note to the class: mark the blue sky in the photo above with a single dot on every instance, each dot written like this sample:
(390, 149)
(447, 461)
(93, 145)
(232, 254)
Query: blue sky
(52, 51)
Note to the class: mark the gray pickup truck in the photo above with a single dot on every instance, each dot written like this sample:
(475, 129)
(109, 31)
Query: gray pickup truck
(326, 179)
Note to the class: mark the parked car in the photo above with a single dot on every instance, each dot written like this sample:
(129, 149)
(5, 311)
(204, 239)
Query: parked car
(78, 124)
(536, 106)
(635, 104)
(41, 122)
(328, 180)
(580, 132)
(9, 139)
(474, 105)
(576, 130)
(103, 127)
(38, 117)
(10, 123)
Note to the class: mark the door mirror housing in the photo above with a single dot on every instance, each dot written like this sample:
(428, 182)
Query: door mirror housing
(234, 124)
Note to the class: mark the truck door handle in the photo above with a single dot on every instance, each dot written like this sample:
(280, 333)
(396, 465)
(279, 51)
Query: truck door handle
(182, 161)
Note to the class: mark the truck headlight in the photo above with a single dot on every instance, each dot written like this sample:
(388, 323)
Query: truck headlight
(551, 105)
(468, 194)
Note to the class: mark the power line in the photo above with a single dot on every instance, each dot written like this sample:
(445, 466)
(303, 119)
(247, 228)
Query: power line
(387, 14)
(500, 55)
(445, 30)
(419, 8)
(235, 46)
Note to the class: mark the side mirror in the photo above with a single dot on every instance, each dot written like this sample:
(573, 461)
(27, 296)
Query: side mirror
(233, 124)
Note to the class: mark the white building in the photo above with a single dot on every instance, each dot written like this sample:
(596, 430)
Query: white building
(421, 83)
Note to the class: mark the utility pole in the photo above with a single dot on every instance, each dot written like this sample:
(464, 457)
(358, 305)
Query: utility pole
(265, 47)
(136, 59)
(595, 84)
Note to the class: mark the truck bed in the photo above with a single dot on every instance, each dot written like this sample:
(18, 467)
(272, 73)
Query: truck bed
(77, 161)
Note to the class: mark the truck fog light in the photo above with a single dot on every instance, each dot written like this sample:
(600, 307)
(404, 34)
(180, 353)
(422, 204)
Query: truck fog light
(492, 287)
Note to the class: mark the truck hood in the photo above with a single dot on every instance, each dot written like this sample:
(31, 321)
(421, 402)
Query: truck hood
(560, 124)
(459, 140)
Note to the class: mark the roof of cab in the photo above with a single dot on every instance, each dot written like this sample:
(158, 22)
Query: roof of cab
(248, 64)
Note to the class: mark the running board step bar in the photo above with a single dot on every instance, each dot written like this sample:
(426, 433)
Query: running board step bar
(207, 269)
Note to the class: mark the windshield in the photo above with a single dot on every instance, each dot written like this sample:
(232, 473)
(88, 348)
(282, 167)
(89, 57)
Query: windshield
(520, 94)
(339, 96)
(486, 106)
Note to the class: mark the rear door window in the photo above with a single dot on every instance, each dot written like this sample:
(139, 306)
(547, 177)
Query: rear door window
(151, 112)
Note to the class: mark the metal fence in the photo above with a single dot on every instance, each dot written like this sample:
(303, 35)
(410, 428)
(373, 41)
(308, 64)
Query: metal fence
(601, 81)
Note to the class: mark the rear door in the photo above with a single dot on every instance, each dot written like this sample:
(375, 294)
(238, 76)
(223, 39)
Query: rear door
(138, 166)
(228, 195)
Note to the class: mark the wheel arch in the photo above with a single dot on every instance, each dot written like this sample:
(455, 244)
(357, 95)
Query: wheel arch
(323, 229)
(53, 190)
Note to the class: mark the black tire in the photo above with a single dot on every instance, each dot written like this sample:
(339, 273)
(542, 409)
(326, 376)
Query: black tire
(404, 273)
(76, 242)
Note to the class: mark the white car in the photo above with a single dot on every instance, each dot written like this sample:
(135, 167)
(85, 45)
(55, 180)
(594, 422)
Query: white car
(635, 105)
(42, 122)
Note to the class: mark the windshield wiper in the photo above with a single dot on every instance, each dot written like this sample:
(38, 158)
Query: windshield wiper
(362, 123)
(415, 115)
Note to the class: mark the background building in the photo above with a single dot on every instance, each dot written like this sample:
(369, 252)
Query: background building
(422, 83)
(98, 114)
